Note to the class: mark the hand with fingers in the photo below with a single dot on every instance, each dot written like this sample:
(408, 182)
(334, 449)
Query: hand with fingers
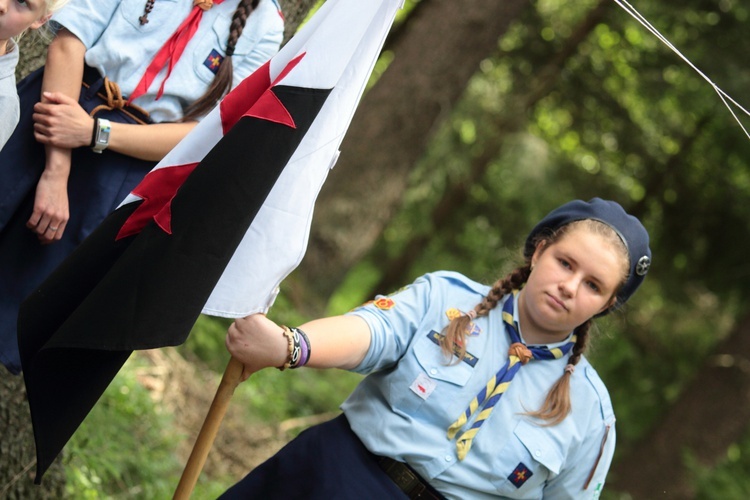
(61, 122)
(257, 342)
(51, 211)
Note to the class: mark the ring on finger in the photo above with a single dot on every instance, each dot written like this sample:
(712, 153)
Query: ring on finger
(53, 229)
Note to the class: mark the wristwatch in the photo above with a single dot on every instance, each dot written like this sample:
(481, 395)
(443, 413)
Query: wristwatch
(100, 137)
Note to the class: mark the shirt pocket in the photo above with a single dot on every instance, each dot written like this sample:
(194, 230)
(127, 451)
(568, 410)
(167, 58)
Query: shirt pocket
(532, 456)
(214, 43)
(162, 14)
(443, 382)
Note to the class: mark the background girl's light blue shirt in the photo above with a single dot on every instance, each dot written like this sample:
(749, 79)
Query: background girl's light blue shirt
(121, 48)
(392, 419)
(9, 104)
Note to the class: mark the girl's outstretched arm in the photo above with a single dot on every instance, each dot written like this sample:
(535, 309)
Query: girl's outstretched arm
(335, 342)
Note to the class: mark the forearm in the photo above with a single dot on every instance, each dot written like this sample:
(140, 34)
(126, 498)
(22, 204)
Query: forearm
(63, 72)
(57, 164)
(337, 342)
(147, 142)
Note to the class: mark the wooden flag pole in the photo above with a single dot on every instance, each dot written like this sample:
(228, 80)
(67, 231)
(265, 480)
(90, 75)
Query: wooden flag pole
(229, 382)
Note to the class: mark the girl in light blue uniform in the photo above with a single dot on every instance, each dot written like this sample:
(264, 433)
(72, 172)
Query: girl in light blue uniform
(121, 48)
(471, 391)
(83, 147)
(553, 461)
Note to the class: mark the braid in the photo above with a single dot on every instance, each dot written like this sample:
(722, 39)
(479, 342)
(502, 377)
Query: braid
(238, 23)
(455, 333)
(582, 338)
(222, 82)
(556, 405)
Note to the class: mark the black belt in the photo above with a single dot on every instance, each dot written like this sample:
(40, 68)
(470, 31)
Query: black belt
(407, 480)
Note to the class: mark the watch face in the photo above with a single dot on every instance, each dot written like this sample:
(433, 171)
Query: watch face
(102, 137)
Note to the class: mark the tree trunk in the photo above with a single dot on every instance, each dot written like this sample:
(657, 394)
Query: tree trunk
(32, 53)
(17, 461)
(393, 270)
(711, 414)
(436, 53)
(295, 11)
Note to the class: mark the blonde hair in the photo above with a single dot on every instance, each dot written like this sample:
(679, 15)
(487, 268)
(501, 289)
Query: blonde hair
(54, 5)
(556, 405)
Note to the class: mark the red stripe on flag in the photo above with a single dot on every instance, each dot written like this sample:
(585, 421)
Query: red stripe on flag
(289, 67)
(237, 102)
(270, 108)
(250, 92)
(157, 190)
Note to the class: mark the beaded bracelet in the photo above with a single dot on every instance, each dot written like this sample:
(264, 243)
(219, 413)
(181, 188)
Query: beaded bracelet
(290, 338)
(299, 348)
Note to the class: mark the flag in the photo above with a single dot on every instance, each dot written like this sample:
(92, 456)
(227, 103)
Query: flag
(215, 227)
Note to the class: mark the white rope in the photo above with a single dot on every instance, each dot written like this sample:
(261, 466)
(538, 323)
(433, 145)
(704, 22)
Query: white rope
(722, 95)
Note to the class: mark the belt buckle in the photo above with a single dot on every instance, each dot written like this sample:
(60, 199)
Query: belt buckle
(404, 478)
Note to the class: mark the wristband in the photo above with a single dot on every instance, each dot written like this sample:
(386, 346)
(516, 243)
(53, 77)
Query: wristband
(303, 343)
(100, 136)
(299, 348)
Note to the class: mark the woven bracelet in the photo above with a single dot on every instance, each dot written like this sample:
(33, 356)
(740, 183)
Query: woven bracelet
(290, 338)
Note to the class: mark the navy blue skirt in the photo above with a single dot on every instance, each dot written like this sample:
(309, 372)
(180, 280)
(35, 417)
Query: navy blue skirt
(325, 462)
(97, 185)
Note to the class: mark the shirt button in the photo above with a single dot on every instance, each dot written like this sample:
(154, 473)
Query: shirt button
(448, 458)
(433, 371)
(538, 453)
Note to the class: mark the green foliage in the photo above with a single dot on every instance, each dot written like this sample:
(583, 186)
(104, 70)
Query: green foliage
(124, 448)
(206, 342)
(354, 290)
(273, 396)
(729, 479)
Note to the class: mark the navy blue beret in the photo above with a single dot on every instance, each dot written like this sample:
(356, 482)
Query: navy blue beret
(629, 228)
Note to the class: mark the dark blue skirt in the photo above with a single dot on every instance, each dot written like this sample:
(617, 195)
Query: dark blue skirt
(97, 185)
(325, 462)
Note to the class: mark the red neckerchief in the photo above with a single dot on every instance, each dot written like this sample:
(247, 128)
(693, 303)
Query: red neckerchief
(172, 49)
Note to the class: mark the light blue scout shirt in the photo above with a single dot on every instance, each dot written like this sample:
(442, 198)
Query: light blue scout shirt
(404, 407)
(121, 49)
(9, 104)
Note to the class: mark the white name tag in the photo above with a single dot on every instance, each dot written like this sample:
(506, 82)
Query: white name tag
(423, 386)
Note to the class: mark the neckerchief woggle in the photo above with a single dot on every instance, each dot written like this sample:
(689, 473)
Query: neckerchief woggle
(518, 355)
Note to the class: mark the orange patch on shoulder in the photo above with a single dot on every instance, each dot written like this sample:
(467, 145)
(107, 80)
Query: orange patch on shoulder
(384, 303)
